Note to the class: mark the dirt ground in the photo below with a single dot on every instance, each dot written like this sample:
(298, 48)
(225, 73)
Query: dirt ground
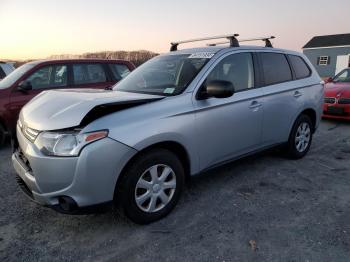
(261, 208)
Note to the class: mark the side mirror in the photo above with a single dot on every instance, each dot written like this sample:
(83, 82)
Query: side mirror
(24, 86)
(218, 89)
(329, 80)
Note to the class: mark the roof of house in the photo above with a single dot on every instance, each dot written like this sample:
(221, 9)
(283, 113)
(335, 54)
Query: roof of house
(328, 41)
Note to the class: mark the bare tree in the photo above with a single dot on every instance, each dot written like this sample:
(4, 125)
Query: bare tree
(137, 57)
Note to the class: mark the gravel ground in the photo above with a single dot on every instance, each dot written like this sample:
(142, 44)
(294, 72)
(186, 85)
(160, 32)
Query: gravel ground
(262, 208)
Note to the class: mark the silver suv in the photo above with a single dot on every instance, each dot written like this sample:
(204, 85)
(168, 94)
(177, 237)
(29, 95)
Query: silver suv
(173, 117)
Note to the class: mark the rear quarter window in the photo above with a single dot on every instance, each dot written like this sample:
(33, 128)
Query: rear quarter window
(276, 68)
(119, 71)
(300, 67)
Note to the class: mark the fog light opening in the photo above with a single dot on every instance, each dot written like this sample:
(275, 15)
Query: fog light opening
(67, 203)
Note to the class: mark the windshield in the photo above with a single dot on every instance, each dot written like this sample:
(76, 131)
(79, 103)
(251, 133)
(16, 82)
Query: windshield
(15, 75)
(343, 76)
(164, 75)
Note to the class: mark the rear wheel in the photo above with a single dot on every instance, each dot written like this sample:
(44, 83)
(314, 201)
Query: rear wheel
(151, 186)
(300, 137)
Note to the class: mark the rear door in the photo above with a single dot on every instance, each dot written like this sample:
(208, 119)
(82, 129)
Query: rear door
(283, 97)
(44, 78)
(91, 75)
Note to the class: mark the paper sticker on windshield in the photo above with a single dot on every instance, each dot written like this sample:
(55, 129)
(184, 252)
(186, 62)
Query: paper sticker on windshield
(169, 90)
(206, 55)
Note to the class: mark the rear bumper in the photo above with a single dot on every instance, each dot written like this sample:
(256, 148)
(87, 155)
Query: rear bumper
(87, 180)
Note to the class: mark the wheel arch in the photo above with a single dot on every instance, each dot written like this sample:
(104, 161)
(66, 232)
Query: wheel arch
(310, 112)
(175, 147)
(313, 116)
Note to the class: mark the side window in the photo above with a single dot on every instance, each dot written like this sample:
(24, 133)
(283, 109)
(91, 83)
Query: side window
(2, 73)
(119, 71)
(276, 68)
(88, 74)
(300, 67)
(237, 69)
(49, 77)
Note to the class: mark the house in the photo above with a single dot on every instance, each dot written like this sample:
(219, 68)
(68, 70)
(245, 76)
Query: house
(329, 53)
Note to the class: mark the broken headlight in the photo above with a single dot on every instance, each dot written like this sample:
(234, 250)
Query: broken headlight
(66, 143)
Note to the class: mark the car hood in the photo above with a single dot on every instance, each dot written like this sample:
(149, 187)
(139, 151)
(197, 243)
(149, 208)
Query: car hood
(337, 90)
(60, 109)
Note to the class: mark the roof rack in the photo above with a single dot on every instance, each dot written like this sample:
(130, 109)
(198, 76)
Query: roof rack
(265, 39)
(232, 40)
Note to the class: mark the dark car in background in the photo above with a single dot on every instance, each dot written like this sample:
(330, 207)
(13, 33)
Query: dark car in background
(30, 79)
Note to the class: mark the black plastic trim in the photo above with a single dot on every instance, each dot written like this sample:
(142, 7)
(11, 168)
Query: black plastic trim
(106, 109)
(102, 207)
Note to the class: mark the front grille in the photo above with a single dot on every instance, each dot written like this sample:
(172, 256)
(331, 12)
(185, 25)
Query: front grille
(29, 133)
(344, 101)
(329, 100)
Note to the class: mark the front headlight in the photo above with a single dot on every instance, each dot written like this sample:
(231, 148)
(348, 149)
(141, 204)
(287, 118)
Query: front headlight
(66, 143)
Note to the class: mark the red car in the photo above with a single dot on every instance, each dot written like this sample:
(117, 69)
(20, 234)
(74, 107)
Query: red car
(337, 96)
(32, 78)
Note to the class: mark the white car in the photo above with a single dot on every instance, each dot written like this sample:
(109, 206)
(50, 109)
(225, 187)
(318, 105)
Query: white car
(5, 69)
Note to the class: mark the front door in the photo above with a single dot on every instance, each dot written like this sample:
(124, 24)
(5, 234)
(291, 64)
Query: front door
(229, 127)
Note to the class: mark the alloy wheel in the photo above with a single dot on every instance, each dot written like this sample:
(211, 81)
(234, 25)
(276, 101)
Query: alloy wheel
(155, 188)
(302, 137)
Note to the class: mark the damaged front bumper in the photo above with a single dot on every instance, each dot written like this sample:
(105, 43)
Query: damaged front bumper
(86, 180)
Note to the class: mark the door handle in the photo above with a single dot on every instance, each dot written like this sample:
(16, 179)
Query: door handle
(255, 105)
(297, 94)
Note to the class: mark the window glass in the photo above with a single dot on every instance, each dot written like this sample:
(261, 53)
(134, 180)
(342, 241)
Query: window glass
(119, 71)
(2, 73)
(15, 75)
(48, 77)
(8, 68)
(164, 75)
(276, 68)
(88, 74)
(323, 60)
(300, 67)
(237, 69)
(343, 76)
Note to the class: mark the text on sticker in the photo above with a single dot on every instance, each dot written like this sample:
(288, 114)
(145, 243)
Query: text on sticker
(202, 55)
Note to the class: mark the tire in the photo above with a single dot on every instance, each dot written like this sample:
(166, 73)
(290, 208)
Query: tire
(2, 135)
(142, 195)
(300, 138)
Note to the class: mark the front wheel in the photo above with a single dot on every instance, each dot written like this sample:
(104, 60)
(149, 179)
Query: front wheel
(151, 186)
(300, 137)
